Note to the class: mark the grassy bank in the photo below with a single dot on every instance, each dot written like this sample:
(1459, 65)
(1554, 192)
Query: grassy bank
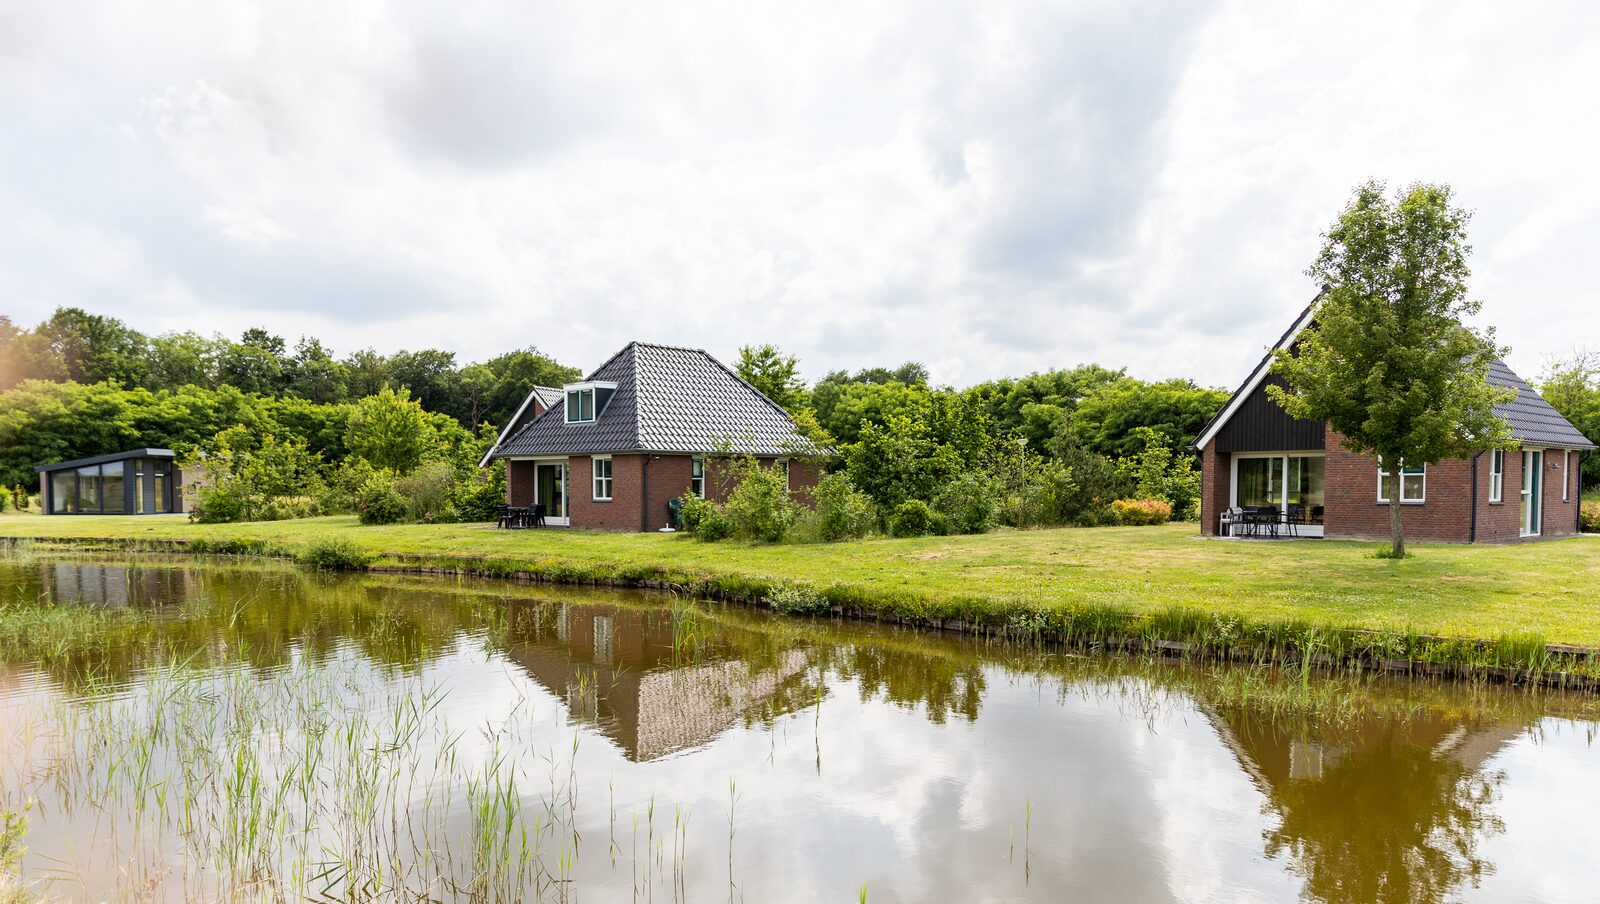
(1488, 607)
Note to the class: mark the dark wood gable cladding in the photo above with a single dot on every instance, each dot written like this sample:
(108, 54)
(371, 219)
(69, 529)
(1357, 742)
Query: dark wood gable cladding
(1261, 426)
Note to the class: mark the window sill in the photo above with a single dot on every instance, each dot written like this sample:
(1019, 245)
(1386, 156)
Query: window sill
(1404, 503)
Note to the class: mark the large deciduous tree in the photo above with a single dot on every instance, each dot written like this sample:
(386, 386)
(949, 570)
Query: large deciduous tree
(1388, 360)
(777, 375)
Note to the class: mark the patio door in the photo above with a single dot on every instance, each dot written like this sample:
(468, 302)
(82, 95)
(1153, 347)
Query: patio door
(1532, 492)
(550, 490)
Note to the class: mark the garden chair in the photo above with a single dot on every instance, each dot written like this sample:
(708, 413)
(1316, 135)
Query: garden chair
(536, 516)
(1231, 518)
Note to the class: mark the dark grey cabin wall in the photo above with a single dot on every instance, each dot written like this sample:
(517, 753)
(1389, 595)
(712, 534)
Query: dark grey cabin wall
(1261, 426)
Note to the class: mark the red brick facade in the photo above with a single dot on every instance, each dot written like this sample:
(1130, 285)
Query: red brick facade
(642, 486)
(1352, 509)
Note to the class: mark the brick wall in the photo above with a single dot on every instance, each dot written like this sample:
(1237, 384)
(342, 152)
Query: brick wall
(1560, 517)
(1353, 510)
(1500, 522)
(1216, 470)
(669, 479)
(625, 509)
(519, 482)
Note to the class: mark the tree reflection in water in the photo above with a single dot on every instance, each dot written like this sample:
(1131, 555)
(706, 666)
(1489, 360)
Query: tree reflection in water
(1378, 811)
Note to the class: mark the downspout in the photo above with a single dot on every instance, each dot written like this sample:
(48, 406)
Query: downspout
(644, 504)
(1472, 531)
(1578, 481)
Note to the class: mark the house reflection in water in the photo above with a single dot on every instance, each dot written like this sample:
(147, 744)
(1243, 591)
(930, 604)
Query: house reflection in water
(112, 585)
(651, 680)
(1379, 810)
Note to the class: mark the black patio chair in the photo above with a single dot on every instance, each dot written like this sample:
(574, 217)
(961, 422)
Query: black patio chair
(536, 516)
(502, 517)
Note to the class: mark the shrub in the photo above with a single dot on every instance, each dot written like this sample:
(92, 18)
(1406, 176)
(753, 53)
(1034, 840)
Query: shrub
(19, 498)
(223, 502)
(912, 518)
(377, 502)
(760, 507)
(6, 499)
(1142, 511)
(334, 555)
(713, 524)
(428, 493)
(843, 512)
(968, 502)
(285, 508)
(1590, 520)
(342, 491)
(800, 601)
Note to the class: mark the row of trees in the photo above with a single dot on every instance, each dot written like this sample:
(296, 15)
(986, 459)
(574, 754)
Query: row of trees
(79, 347)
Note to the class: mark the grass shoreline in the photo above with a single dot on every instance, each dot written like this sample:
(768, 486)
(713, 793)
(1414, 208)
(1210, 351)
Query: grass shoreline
(1156, 590)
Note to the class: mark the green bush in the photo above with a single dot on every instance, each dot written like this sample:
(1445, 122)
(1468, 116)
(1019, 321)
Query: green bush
(428, 493)
(968, 502)
(285, 508)
(342, 490)
(760, 507)
(912, 518)
(1140, 512)
(19, 498)
(334, 555)
(479, 496)
(6, 499)
(377, 502)
(224, 502)
(1590, 519)
(713, 525)
(693, 510)
(800, 601)
(842, 511)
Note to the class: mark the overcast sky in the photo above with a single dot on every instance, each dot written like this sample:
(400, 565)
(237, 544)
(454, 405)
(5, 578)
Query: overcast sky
(988, 190)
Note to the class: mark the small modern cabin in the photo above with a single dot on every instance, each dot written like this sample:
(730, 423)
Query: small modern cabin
(136, 482)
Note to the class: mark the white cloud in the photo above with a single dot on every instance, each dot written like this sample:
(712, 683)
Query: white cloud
(991, 191)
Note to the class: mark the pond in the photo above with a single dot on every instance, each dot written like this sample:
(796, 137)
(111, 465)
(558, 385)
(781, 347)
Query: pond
(172, 729)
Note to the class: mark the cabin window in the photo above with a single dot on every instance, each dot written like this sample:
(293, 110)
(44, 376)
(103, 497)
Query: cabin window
(63, 492)
(89, 489)
(602, 479)
(113, 501)
(1413, 484)
(697, 477)
(580, 406)
(1497, 476)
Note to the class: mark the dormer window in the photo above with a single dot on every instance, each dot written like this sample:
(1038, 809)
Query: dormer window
(584, 400)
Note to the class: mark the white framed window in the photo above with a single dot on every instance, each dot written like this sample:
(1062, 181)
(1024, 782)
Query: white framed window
(1566, 468)
(1497, 476)
(580, 405)
(784, 464)
(697, 477)
(602, 479)
(1413, 484)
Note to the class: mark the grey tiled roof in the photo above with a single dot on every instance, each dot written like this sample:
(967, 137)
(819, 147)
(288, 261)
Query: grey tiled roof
(549, 395)
(668, 399)
(1533, 422)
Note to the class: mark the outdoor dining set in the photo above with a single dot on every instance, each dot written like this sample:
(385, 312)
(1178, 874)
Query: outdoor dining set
(518, 516)
(1268, 522)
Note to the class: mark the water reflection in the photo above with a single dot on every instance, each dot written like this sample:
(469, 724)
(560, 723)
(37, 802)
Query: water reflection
(802, 759)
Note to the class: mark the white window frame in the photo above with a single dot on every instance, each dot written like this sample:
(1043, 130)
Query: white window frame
(1566, 468)
(1531, 496)
(1497, 476)
(602, 483)
(697, 476)
(1405, 472)
(579, 395)
(784, 463)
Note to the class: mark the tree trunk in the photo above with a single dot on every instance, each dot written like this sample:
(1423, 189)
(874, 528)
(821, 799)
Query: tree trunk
(1397, 528)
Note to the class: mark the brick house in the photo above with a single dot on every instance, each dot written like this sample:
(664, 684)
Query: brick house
(1254, 455)
(610, 452)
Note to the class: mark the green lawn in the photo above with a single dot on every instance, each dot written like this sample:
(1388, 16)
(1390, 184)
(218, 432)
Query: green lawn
(1549, 589)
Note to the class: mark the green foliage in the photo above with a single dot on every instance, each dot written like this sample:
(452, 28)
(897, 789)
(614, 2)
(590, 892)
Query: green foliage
(775, 374)
(1590, 517)
(19, 498)
(760, 507)
(705, 519)
(914, 518)
(480, 493)
(429, 494)
(1158, 472)
(1141, 512)
(1389, 361)
(6, 499)
(391, 430)
(842, 511)
(1036, 406)
(334, 554)
(377, 501)
(1108, 418)
(969, 502)
(798, 600)
(251, 478)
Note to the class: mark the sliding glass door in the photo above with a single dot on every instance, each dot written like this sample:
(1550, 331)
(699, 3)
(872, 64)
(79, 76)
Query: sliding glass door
(1293, 484)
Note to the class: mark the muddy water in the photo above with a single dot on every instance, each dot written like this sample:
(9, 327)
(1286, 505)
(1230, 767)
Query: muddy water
(183, 731)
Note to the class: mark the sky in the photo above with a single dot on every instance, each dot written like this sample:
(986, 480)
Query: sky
(988, 189)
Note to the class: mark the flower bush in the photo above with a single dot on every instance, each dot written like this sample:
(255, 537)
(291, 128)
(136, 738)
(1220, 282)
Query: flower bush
(1142, 511)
